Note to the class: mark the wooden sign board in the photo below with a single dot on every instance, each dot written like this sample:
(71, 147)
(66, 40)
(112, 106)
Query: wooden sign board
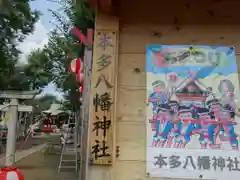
(103, 80)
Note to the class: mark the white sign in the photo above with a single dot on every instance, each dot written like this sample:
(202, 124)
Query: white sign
(193, 164)
(193, 131)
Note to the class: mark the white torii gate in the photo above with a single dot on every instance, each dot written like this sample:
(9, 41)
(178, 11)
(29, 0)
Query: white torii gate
(21, 109)
(13, 109)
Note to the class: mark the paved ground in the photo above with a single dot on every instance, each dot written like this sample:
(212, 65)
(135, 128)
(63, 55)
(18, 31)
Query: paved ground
(31, 142)
(43, 166)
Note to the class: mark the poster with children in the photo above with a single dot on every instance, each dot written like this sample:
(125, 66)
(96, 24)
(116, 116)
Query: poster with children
(193, 126)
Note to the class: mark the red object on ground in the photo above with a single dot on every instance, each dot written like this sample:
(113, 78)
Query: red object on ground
(47, 129)
(11, 174)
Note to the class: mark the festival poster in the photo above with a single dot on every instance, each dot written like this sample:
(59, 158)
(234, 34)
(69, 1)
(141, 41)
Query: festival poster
(192, 123)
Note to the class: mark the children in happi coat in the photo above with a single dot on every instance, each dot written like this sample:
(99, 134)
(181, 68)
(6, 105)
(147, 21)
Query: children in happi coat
(214, 128)
(184, 127)
(159, 94)
(227, 132)
(163, 125)
(174, 105)
(206, 131)
(157, 97)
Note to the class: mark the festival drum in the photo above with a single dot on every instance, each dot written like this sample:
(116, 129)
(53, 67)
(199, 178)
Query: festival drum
(11, 174)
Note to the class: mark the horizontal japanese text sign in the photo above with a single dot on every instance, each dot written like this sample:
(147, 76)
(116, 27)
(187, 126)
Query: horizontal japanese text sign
(193, 164)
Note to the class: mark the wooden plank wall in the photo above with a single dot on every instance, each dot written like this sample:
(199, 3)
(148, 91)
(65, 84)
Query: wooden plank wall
(109, 26)
(159, 22)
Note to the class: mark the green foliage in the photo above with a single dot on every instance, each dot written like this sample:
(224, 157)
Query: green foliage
(50, 64)
(17, 21)
(42, 103)
(17, 80)
(38, 70)
(63, 47)
(32, 76)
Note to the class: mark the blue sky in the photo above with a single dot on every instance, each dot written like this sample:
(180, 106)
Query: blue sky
(40, 36)
(44, 6)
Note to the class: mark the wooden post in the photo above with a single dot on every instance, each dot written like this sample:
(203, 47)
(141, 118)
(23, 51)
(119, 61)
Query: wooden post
(87, 41)
(85, 108)
(103, 93)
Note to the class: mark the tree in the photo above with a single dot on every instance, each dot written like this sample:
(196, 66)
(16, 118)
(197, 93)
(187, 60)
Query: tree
(16, 22)
(38, 70)
(60, 51)
(63, 47)
(42, 103)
